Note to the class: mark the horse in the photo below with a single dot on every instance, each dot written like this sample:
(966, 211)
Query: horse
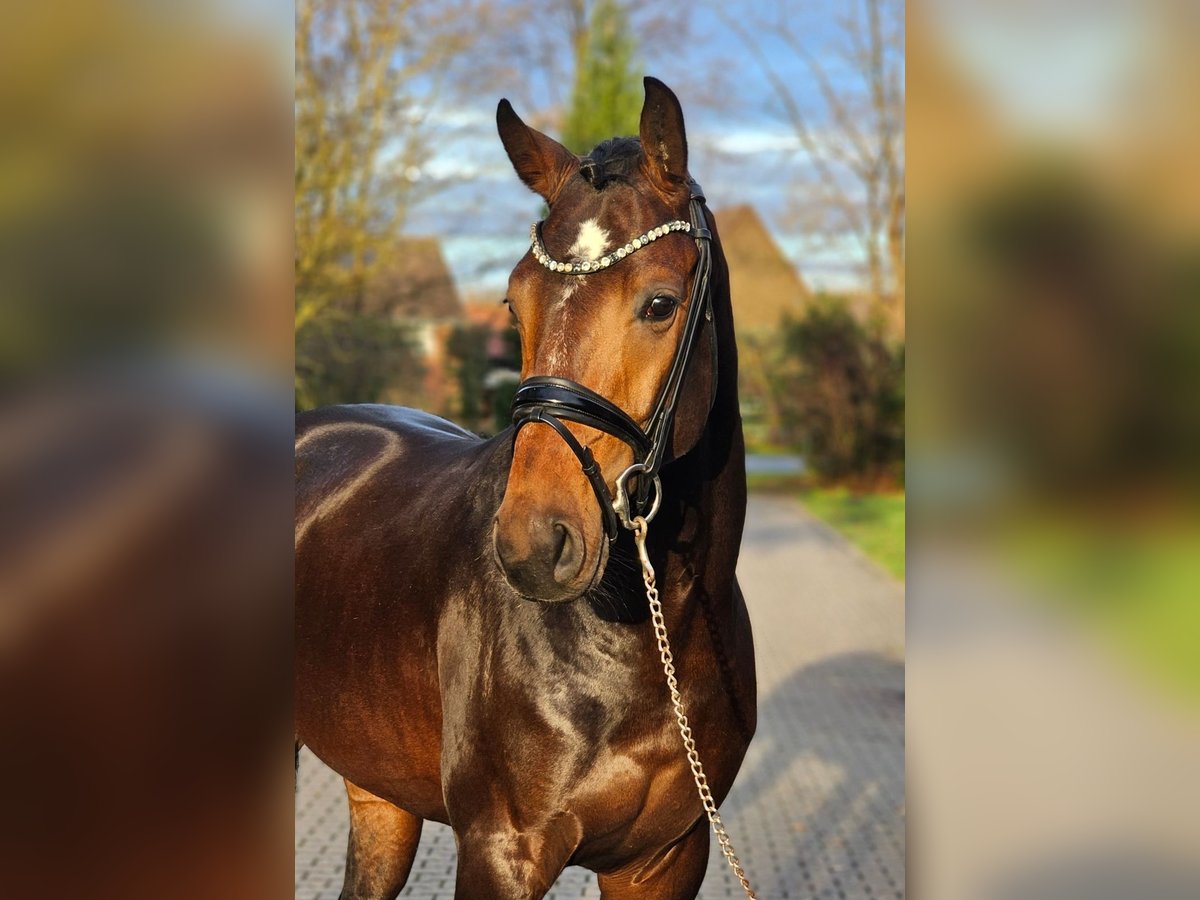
(471, 636)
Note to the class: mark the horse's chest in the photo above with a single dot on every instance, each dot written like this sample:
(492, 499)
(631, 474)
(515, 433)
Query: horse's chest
(576, 727)
(617, 760)
(634, 795)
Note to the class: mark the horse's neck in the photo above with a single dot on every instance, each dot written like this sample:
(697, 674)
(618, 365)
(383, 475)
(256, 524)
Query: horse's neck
(714, 474)
(702, 538)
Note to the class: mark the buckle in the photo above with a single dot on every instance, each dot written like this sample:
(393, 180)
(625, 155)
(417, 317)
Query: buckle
(621, 504)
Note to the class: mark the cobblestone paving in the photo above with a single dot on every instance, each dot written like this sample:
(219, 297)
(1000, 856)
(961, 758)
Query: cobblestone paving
(818, 808)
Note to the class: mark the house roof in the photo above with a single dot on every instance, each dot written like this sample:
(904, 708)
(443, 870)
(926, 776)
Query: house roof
(414, 282)
(763, 282)
(479, 310)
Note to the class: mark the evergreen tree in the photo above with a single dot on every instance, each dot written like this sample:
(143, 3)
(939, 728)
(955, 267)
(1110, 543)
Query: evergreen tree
(606, 100)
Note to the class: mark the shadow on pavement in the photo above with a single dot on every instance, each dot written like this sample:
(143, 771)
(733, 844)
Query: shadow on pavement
(830, 743)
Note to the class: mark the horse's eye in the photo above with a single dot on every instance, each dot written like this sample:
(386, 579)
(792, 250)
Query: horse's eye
(512, 313)
(660, 307)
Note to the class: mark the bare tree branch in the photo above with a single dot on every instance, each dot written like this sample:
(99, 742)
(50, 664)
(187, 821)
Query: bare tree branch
(860, 165)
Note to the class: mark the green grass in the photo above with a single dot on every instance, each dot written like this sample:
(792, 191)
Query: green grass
(1137, 585)
(777, 484)
(872, 522)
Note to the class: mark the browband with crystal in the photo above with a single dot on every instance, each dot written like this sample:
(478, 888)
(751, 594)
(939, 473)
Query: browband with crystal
(583, 268)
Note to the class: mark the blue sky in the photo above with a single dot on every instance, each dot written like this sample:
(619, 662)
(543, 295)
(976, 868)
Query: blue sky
(743, 152)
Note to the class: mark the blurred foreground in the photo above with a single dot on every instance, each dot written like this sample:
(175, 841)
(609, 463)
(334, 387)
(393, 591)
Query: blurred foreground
(145, 452)
(1054, 271)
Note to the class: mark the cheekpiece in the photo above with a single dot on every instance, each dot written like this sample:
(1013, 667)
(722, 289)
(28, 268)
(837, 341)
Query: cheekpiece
(589, 266)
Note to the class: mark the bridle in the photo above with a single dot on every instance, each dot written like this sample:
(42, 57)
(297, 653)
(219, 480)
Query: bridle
(553, 400)
(550, 400)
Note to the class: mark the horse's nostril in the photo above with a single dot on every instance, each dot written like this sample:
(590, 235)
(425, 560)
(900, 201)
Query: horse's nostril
(561, 539)
(568, 557)
(543, 560)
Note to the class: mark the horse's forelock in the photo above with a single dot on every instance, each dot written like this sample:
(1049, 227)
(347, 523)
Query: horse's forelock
(614, 159)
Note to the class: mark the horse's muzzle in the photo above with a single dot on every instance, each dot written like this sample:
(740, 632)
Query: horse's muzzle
(542, 560)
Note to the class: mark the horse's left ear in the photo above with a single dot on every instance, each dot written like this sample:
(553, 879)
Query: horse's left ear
(664, 142)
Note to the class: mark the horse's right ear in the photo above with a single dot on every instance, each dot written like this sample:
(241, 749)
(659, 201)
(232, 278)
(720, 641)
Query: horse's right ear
(543, 163)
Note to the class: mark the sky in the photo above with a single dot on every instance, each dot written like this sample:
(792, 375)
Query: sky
(742, 152)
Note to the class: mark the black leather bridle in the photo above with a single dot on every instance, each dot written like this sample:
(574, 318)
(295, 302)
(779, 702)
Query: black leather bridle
(551, 400)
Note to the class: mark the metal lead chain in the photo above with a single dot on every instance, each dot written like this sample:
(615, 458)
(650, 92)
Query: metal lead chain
(640, 529)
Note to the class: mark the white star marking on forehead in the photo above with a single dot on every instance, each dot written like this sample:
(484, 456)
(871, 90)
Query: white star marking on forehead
(591, 242)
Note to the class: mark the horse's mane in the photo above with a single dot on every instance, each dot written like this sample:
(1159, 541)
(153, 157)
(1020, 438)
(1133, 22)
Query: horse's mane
(611, 160)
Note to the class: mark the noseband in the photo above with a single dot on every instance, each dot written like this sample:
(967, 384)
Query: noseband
(552, 400)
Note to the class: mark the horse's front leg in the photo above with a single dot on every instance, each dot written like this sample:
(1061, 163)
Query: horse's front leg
(496, 861)
(673, 873)
(383, 842)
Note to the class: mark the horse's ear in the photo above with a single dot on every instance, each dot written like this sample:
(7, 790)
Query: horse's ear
(543, 163)
(664, 143)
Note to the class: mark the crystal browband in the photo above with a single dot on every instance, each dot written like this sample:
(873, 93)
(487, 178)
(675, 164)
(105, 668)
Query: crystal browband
(583, 268)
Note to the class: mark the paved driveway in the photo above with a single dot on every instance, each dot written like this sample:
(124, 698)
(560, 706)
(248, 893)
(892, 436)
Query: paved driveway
(818, 808)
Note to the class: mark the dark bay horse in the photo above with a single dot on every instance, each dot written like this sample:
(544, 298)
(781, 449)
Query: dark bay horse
(471, 647)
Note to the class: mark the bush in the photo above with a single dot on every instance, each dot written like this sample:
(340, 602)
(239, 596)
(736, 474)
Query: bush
(346, 357)
(485, 382)
(839, 395)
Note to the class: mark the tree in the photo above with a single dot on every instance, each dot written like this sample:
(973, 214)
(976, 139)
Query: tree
(536, 48)
(368, 73)
(607, 96)
(854, 140)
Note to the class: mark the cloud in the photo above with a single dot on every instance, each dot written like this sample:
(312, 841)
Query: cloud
(765, 139)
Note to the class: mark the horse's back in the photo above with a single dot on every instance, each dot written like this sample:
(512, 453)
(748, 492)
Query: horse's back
(340, 448)
(400, 419)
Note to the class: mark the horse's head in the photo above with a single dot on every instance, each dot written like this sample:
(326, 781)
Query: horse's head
(601, 300)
